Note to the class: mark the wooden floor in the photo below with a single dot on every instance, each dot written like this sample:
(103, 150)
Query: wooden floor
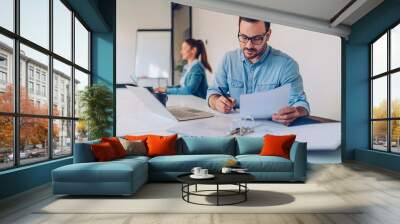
(377, 188)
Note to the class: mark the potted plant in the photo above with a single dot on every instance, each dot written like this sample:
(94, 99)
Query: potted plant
(96, 102)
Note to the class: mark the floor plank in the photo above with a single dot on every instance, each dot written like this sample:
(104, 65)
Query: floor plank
(377, 190)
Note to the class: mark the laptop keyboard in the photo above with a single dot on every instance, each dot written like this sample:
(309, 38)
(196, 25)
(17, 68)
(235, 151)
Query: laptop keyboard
(183, 113)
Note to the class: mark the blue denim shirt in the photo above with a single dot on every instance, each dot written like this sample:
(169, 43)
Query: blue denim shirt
(194, 82)
(236, 75)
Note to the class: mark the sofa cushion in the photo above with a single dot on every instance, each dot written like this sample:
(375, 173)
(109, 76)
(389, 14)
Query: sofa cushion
(257, 163)
(111, 171)
(185, 163)
(249, 145)
(196, 145)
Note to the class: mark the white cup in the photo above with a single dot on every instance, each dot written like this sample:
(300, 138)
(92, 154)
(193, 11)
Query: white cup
(196, 171)
(203, 172)
(226, 170)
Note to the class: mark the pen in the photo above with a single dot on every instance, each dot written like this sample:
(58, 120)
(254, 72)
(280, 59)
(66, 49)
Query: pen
(224, 94)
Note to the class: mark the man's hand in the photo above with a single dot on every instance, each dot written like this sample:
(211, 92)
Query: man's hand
(287, 115)
(160, 90)
(222, 104)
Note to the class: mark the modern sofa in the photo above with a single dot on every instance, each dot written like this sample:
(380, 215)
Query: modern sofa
(125, 176)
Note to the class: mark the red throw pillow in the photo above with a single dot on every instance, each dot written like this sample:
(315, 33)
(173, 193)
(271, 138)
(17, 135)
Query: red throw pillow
(103, 152)
(161, 145)
(116, 145)
(277, 145)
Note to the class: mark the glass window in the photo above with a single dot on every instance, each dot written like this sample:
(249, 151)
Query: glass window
(40, 62)
(379, 98)
(7, 14)
(62, 72)
(44, 91)
(379, 56)
(81, 131)
(37, 89)
(33, 140)
(3, 60)
(379, 135)
(81, 82)
(385, 125)
(30, 87)
(395, 47)
(62, 138)
(62, 29)
(395, 136)
(3, 78)
(6, 142)
(34, 21)
(30, 71)
(7, 75)
(81, 45)
(395, 95)
(34, 79)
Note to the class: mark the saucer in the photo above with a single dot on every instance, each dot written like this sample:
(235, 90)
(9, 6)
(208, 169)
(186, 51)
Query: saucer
(208, 176)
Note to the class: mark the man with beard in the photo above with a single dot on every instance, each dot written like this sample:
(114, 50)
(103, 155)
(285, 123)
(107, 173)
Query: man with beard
(257, 67)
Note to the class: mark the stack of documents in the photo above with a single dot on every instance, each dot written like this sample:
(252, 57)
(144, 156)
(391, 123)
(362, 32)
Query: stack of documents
(263, 105)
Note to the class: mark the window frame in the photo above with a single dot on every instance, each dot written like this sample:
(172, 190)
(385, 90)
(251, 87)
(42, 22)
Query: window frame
(15, 72)
(388, 74)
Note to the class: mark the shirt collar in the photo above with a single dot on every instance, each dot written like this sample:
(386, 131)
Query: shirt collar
(263, 56)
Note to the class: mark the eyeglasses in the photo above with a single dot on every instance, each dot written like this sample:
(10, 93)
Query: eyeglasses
(256, 40)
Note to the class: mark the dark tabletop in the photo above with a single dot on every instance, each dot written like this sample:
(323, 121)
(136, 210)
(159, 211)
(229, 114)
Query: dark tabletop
(220, 178)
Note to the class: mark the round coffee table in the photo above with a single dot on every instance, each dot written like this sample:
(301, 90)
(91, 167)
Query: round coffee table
(238, 179)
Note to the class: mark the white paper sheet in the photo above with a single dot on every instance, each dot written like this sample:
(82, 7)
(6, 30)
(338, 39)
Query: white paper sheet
(264, 104)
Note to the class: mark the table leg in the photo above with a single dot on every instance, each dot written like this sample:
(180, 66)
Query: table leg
(196, 187)
(245, 193)
(217, 194)
(188, 190)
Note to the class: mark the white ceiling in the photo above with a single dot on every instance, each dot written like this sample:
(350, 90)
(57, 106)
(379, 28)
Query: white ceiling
(320, 9)
(314, 15)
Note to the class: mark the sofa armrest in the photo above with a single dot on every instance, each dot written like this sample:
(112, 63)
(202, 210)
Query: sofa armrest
(298, 155)
(83, 152)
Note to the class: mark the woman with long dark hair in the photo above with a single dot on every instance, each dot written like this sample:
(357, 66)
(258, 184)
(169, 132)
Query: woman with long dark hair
(194, 79)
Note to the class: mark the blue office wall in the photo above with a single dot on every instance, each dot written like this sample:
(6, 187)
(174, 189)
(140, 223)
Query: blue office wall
(356, 84)
(99, 15)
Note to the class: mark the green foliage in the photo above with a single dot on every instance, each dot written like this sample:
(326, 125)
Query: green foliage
(97, 104)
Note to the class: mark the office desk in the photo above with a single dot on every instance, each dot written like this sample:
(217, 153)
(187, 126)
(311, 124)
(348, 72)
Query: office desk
(134, 118)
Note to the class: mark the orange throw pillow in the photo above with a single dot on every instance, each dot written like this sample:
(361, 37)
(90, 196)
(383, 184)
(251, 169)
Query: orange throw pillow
(116, 145)
(161, 145)
(136, 137)
(277, 145)
(103, 152)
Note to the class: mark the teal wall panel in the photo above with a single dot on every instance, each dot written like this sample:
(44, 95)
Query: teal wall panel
(103, 63)
(24, 178)
(377, 158)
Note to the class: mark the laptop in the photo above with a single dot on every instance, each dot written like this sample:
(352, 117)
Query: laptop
(177, 113)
